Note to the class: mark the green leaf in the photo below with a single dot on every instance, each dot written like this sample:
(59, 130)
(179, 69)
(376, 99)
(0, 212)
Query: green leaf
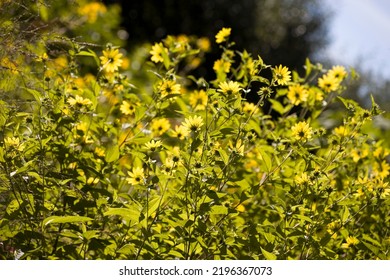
(65, 219)
(268, 255)
(125, 213)
(218, 210)
(165, 56)
(277, 106)
(12, 206)
(112, 153)
(224, 156)
(37, 95)
(307, 67)
(345, 214)
(88, 235)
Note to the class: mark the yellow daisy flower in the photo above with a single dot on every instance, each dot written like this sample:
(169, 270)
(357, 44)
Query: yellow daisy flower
(203, 44)
(281, 75)
(168, 87)
(328, 83)
(153, 145)
(92, 10)
(302, 179)
(250, 108)
(156, 52)
(99, 152)
(297, 94)
(229, 88)
(193, 123)
(127, 108)
(337, 72)
(302, 131)
(111, 60)
(79, 101)
(222, 35)
(159, 126)
(221, 66)
(350, 241)
(180, 132)
(14, 142)
(198, 100)
(136, 177)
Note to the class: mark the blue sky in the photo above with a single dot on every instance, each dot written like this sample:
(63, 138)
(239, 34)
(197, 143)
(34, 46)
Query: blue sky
(360, 34)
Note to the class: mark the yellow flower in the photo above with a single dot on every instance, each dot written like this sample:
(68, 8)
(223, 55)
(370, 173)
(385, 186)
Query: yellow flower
(156, 52)
(111, 60)
(198, 100)
(8, 65)
(381, 170)
(297, 94)
(14, 142)
(381, 152)
(229, 88)
(222, 35)
(250, 108)
(359, 153)
(136, 177)
(302, 179)
(333, 227)
(341, 131)
(203, 44)
(350, 241)
(168, 87)
(180, 132)
(79, 101)
(92, 10)
(222, 66)
(168, 166)
(159, 126)
(100, 152)
(281, 75)
(328, 83)
(193, 123)
(302, 131)
(338, 72)
(238, 148)
(153, 145)
(127, 108)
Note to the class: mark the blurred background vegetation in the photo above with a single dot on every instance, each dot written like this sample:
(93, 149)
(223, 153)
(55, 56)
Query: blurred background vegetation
(280, 31)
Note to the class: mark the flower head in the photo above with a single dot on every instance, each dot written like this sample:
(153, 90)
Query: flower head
(297, 94)
(198, 100)
(350, 241)
(159, 126)
(14, 142)
(222, 35)
(302, 131)
(136, 177)
(281, 75)
(156, 52)
(337, 72)
(153, 145)
(127, 108)
(168, 87)
(328, 83)
(79, 101)
(250, 108)
(111, 60)
(229, 88)
(193, 123)
(180, 132)
(92, 10)
(222, 66)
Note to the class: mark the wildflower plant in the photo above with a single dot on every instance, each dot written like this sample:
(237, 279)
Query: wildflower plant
(111, 164)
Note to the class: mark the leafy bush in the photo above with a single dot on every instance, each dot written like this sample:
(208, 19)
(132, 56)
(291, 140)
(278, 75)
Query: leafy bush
(149, 162)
